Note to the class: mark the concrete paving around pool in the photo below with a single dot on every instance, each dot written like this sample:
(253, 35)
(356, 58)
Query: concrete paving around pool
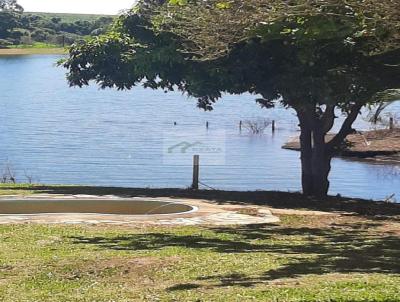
(205, 213)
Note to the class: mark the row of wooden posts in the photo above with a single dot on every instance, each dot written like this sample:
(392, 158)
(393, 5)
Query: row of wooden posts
(196, 158)
(273, 127)
(240, 125)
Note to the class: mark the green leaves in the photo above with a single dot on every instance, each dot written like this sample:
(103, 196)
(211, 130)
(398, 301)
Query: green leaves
(10, 6)
(178, 2)
(223, 5)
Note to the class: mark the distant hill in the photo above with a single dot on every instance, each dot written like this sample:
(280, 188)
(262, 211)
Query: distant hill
(70, 18)
(38, 30)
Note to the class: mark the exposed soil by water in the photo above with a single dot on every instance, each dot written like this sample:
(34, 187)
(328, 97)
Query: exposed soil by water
(377, 145)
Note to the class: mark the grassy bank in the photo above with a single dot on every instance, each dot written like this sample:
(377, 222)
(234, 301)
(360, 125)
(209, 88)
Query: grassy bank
(32, 51)
(348, 256)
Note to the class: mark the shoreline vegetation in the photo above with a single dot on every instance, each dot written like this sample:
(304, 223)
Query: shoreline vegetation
(48, 30)
(376, 145)
(32, 51)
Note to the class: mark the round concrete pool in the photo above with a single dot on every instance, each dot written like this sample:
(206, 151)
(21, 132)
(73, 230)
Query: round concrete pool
(91, 206)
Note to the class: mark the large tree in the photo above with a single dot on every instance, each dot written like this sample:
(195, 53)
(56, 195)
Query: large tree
(10, 5)
(318, 57)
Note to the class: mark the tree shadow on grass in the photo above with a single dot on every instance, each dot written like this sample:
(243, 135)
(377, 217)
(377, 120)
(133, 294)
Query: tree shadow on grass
(327, 251)
(312, 252)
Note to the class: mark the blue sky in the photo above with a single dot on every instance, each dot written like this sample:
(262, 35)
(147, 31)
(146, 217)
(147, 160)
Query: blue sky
(76, 6)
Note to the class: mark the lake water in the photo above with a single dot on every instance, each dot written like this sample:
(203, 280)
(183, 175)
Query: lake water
(87, 136)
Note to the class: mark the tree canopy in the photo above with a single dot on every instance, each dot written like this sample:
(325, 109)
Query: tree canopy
(10, 6)
(314, 56)
(212, 27)
(195, 37)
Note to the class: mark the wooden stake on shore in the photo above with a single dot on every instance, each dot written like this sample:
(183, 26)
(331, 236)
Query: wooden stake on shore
(391, 123)
(196, 172)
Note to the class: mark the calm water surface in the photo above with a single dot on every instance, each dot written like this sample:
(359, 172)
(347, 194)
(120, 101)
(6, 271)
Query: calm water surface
(63, 135)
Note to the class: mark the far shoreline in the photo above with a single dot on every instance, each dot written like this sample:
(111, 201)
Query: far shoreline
(32, 51)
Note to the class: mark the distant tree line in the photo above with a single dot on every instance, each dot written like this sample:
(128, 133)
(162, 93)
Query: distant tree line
(20, 28)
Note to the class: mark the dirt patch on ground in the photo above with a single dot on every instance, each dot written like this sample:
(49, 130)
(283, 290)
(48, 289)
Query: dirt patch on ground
(341, 222)
(120, 269)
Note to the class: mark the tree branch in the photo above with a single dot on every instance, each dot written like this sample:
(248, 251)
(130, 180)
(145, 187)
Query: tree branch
(328, 118)
(346, 128)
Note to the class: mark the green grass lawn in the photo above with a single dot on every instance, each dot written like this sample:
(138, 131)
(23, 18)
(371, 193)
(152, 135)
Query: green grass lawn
(303, 258)
(18, 189)
(287, 262)
(37, 45)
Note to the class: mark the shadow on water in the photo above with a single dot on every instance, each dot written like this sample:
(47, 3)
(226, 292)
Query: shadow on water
(367, 208)
(320, 251)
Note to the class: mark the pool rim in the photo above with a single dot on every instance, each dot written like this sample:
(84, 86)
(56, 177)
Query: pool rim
(194, 208)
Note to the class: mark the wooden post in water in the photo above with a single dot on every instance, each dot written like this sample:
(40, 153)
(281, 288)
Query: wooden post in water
(240, 126)
(391, 123)
(207, 124)
(196, 170)
(273, 126)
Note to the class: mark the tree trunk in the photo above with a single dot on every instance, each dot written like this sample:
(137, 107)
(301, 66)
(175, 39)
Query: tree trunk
(315, 157)
(321, 165)
(316, 154)
(306, 159)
